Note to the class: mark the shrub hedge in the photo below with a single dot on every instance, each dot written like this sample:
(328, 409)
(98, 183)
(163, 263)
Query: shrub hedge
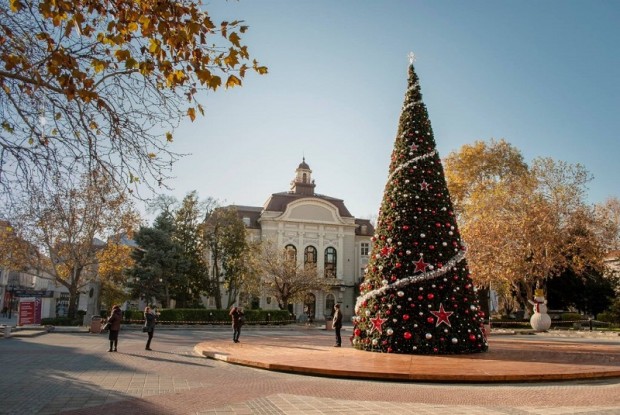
(205, 316)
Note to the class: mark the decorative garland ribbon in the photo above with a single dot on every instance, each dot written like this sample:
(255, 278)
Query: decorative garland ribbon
(402, 283)
(414, 278)
(413, 160)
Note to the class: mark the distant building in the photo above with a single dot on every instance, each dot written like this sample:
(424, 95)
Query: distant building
(612, 262)
(318, 229)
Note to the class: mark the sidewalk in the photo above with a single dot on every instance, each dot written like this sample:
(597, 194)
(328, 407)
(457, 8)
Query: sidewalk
(73, 374)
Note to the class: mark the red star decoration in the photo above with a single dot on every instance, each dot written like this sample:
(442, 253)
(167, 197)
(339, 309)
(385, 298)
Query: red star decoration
(443, 316)
(377, 322)
(420, 265)
(414, 147)
(424, 185)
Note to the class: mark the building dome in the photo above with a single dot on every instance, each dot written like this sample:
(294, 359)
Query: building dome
(304, 165)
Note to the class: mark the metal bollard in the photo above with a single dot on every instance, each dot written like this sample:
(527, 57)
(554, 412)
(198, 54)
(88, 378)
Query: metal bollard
(7, 332)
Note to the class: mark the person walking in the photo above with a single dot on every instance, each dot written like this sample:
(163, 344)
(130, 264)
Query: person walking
(115, 327)
(337, 324)
(149, 325)
(237, 321)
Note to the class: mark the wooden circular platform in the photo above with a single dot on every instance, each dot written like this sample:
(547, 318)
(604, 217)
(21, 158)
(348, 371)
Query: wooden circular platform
(509, 359)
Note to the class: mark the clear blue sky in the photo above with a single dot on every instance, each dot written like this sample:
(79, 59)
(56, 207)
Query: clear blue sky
(544, 75)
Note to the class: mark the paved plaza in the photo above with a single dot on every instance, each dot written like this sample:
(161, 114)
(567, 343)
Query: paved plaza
(72, 373)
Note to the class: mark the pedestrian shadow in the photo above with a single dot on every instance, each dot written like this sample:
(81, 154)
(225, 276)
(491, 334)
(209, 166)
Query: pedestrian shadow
(154, 357)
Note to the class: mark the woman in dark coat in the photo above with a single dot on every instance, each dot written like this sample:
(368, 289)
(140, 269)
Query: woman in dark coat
(115, 327)
(149, 325)
(237, 321)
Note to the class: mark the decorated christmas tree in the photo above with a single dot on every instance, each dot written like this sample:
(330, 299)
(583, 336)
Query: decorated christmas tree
(417, 296)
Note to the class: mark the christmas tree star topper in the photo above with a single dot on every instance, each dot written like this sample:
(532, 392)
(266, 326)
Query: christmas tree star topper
(411, 57)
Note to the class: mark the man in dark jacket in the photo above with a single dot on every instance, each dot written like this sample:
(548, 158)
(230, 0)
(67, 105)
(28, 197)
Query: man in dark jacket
(236, 314)
(149, 325)
(337, 324)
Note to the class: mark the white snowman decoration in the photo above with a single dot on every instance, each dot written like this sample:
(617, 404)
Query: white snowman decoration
(540, 320)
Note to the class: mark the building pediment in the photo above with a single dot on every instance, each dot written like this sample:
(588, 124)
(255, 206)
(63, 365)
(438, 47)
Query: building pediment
(313, 210)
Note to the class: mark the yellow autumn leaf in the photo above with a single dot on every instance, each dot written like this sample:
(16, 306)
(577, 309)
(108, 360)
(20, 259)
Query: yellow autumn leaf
(233, 81)
(133, 26)
(179, 75)
(203, 75)
(214, 82)
(131, 63)
(191, 112)
(234, 39)
(153, 45)
(98, 65)
(122, 54)
(152, 155)
(15, 6)
(169, 137)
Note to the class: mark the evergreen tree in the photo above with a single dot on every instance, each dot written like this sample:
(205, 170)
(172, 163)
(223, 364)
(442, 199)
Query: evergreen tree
(417, 296)
(188, 233)
(158, 263)
(230, 255)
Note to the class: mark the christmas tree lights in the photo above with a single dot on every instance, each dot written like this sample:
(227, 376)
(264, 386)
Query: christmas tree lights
(417, 296)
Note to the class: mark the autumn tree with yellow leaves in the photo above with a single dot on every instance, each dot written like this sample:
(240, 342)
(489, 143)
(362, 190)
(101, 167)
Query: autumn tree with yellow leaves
(99, 86)
(522, 224)
(68, 229)
(112, 261)
(285, 278)
(15, 253)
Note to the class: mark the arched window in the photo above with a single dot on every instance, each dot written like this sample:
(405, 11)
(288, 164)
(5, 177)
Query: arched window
(290, 252)
(310, 255)
(330, 262)
(303, 178)
(330, 302)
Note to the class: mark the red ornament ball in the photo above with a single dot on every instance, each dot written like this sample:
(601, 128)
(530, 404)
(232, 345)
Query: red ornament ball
(407, 335)
(357, 332)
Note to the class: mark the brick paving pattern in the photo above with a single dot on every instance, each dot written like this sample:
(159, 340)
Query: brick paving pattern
(74, 374)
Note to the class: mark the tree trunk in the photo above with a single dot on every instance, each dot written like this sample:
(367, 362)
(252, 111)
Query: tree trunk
(232, 296)
(74, 297)
(215, 281)
(74, 294)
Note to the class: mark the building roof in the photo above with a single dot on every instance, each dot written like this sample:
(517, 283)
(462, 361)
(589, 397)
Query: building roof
(279, 201)
(251, 212)
(364, 227)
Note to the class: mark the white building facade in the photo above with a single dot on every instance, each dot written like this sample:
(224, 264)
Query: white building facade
(320, 230)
